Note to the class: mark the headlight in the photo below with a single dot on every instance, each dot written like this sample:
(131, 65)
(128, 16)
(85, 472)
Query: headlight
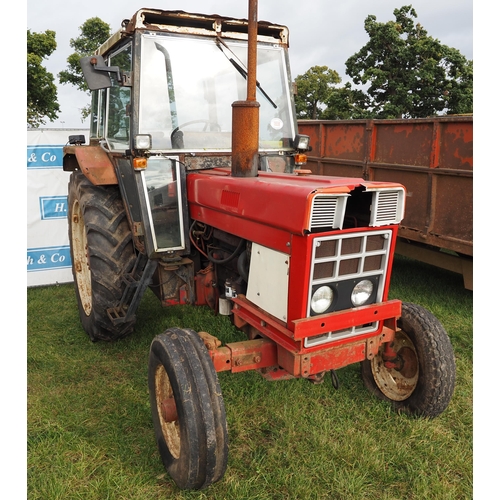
(322, 299)
(361, 293)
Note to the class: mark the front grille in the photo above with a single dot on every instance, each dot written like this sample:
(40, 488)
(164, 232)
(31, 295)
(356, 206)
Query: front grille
(340, 262)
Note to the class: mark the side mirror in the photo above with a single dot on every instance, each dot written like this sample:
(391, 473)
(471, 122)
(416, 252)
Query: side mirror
(96, 73)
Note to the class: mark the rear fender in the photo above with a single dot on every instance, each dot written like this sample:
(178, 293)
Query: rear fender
(94, 163)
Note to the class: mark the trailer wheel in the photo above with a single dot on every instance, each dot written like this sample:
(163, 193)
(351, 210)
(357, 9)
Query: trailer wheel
(101, 251)
(187, 407)
(424, 380)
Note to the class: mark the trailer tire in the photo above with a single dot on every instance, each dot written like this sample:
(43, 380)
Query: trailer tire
(187, 407)
(424, 385)
(102, 250)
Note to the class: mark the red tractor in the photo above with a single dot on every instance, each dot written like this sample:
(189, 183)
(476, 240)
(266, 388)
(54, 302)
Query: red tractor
(192, 185)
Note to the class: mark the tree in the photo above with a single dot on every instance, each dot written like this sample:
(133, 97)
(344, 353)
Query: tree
(346, 103)
(410, 74)
(94, 32)
(41, 89)
(313, 90)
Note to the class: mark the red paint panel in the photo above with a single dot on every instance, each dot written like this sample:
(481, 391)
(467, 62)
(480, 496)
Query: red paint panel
(276, 200)
(300, 270)
(250, 230)
(404, 144)
(453, 208)
(337, 357)
(308, 327)
(456, 146)
(345, 141)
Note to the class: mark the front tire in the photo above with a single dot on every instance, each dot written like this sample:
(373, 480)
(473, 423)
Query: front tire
(424, 380)
(188, 411)
(101, 251)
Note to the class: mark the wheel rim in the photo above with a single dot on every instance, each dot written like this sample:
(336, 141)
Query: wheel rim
(397, 383)
(80, 258)
(169, 423)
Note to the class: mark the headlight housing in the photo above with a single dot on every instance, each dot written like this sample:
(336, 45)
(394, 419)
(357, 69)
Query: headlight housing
(142, 141)
(322, 299)
(361, 293)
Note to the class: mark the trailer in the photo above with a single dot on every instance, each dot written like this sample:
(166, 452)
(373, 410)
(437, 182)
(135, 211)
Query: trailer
(431, 157)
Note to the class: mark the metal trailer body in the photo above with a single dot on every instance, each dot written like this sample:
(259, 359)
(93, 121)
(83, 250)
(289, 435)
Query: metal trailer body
(431, 157)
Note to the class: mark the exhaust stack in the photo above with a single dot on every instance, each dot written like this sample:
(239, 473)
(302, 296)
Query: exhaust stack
(245, 137)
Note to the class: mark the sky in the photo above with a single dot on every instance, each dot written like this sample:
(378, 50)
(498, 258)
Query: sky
(322, 32)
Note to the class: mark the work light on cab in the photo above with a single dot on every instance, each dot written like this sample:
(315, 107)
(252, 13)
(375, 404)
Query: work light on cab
(301, 142)
(142, 141)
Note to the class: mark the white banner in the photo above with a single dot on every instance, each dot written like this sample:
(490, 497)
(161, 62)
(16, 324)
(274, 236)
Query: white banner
(49, 260)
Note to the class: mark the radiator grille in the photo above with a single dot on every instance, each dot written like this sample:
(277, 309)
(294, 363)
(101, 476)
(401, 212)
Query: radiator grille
(340, 261)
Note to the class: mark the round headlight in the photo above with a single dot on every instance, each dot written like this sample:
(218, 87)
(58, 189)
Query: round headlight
(361, 292)
(322, 299)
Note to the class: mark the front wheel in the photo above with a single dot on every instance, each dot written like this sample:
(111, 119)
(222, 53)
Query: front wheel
(188, 411)
(422, 378)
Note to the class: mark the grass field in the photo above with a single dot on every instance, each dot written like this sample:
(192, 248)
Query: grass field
(90, 433)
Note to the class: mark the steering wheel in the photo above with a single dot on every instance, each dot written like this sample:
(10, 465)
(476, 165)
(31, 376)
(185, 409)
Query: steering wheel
(176, 137)
(192, 122)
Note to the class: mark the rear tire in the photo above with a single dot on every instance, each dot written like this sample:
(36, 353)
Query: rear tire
(188, 411)
(424, 383)
(101, 251)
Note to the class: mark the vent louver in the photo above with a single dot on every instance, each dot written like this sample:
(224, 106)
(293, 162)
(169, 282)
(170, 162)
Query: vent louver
(327, 212)
(387, 208)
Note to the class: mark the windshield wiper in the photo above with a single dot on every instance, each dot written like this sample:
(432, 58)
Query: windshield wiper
(240, 67)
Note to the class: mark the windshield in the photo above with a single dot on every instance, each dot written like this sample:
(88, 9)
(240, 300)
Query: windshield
(187, 86)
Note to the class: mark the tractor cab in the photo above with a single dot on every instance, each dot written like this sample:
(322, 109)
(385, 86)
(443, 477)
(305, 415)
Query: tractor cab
(166, 82)
(162, 94)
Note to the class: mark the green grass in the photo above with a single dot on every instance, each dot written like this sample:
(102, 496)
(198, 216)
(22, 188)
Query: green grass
(90, 433)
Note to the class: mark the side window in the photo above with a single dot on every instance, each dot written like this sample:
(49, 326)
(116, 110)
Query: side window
(118, 102)
(97, 115)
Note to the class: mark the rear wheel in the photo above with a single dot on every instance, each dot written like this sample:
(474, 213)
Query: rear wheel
(101, 251)
(422, 378)
(188, 411)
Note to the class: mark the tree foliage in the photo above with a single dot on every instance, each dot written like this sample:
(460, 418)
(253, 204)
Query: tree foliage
(401, 72)
(346, 103)
(41, 89)
(313, 90)
(409, 74)
(93, 33)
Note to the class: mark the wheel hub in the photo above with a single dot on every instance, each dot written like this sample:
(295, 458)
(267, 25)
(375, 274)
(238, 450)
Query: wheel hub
(81, 266)
(397, 378)
(167, 411)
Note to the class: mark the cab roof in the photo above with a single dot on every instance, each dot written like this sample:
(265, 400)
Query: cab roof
(178, 21)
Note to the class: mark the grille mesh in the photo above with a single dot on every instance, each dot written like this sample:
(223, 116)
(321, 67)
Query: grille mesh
(353, 255)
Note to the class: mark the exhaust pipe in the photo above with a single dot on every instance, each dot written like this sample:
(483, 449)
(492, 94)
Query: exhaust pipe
(245, 137)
